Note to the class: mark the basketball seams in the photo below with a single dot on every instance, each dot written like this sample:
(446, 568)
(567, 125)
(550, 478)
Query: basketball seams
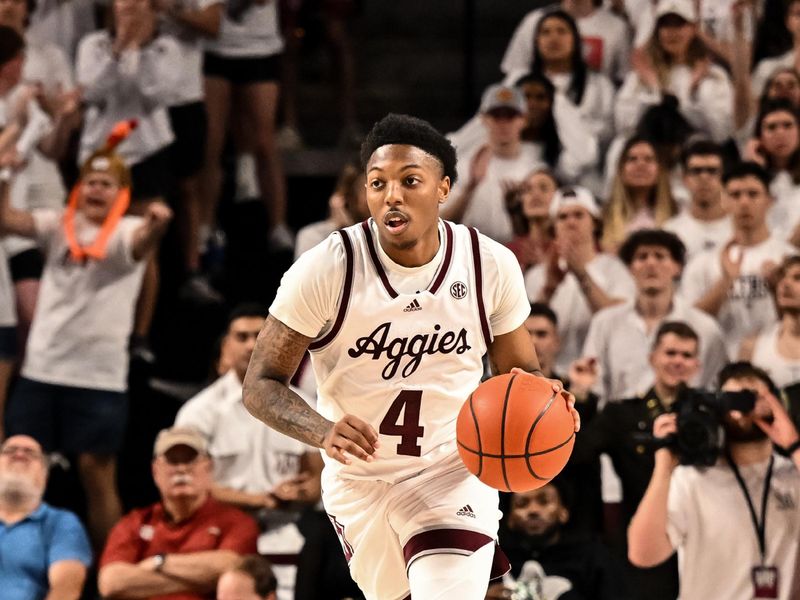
(503, 432)
(525, 455)
(526, 402)
(536, 421)
(478, 435)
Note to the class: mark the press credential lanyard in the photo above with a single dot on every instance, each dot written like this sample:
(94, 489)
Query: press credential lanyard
(761, 527)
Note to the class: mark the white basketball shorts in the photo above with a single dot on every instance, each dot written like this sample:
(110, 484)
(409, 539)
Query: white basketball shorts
(384, 527)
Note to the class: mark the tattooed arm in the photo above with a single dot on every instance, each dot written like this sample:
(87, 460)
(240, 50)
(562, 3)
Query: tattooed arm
(267, 396)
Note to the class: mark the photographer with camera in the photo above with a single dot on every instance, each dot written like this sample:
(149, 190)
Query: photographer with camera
(736, 516)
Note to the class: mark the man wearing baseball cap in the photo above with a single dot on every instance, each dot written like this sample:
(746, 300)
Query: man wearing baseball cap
(176, 548)
(477, 199)
(577, 279)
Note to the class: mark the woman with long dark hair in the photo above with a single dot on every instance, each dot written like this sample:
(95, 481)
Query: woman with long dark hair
(554, 125)
(558, 56)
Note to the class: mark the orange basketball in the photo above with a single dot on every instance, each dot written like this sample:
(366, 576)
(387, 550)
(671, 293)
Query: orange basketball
(514, 433)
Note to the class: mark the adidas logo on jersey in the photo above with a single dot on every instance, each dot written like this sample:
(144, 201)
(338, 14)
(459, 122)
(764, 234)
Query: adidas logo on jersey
(466, 511)
(413, 306)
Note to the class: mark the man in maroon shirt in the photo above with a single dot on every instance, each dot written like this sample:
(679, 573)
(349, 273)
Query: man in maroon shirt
(176, 549)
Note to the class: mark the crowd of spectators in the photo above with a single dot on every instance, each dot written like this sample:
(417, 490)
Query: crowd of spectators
(641, 158)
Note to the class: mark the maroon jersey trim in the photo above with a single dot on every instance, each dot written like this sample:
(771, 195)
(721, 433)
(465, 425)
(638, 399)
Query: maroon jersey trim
(476, 258)
(448, 258)
(373, 255)
(376, 263)
(346, 293)
(454, 541)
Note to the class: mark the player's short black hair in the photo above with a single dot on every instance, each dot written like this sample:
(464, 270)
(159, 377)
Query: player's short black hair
(747, 169)
(540, 309)
(247, 309)
(411, 131)
(680, 329)
(746, 370)
(653, 237)
(11, 44)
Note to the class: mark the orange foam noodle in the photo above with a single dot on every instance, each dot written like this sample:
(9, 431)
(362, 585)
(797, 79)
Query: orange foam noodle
(119, 132)
(97, 249)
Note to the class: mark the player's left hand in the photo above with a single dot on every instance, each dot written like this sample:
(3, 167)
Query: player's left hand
(558, 388)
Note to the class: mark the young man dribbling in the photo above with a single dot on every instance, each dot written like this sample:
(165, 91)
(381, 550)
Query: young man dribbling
(397, 312)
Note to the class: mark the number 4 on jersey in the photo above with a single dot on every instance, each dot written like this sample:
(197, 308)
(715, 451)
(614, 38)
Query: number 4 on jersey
(409, 430)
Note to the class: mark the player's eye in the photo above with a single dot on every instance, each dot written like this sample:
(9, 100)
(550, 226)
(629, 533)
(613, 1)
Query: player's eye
(412, 180)
(376, 184)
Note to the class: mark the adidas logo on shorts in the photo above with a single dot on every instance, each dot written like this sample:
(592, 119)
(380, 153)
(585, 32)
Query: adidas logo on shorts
(466, 511)
(413, 306)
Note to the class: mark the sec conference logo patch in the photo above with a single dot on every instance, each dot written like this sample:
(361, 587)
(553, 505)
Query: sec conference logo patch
(458, 290)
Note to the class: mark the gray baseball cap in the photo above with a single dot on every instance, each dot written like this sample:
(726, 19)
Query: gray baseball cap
(503, 96)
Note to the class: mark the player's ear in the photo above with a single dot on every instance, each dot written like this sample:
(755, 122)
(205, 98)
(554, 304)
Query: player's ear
(563, 515)
(443, 189)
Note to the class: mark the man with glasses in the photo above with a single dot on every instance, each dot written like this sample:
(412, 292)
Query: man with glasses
(44, 551)
(703, 224)
(182, 544)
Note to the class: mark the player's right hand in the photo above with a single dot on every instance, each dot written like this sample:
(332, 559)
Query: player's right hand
(351, 436)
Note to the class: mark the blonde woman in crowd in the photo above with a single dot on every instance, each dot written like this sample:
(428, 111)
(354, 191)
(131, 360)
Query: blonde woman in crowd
(640, 194)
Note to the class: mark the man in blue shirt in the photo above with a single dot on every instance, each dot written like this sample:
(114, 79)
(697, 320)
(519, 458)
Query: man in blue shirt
(44, 551)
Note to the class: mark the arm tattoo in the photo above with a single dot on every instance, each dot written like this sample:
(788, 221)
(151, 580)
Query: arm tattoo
(267, 396)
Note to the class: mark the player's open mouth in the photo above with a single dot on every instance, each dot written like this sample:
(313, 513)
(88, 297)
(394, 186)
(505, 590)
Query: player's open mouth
(396, 222)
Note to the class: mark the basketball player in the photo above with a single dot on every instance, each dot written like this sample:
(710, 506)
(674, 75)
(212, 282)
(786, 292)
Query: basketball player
(397, 313)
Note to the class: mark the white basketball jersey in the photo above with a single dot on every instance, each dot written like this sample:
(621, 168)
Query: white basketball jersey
(403, 362)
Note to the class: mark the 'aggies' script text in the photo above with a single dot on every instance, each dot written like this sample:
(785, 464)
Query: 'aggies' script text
(378, 342)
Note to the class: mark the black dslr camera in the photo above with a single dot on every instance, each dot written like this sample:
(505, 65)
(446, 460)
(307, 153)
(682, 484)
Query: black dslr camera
(701, 435)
